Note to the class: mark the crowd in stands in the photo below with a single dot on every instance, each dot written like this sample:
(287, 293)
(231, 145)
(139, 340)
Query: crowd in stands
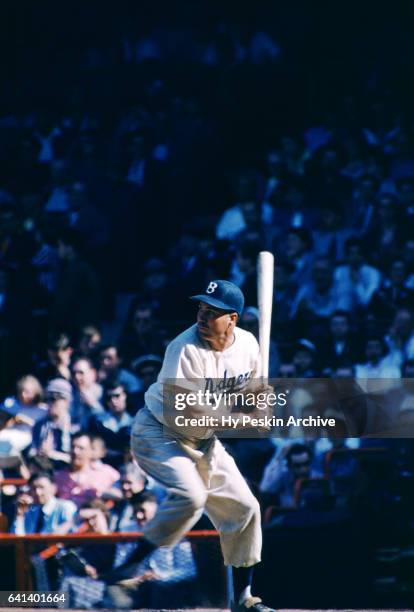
(113, 213)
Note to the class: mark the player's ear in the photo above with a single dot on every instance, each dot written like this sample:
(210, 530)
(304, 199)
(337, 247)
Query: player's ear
(233, 317)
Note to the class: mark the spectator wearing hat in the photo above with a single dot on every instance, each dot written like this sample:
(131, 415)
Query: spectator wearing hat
(52, 435)
(146, 369)
(110, 369)
(47, 514)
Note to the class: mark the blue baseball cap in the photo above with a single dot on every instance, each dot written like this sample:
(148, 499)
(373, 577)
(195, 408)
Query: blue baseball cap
(222, 294)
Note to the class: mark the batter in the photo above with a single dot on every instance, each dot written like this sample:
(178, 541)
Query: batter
(193, 465)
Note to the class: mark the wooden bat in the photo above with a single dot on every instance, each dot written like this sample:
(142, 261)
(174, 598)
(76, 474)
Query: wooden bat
(265, 268)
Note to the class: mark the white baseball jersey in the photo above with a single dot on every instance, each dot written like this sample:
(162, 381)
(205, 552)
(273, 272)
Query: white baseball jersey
(197, 366)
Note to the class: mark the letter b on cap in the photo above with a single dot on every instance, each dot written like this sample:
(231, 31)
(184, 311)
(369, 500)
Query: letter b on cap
(211, 288)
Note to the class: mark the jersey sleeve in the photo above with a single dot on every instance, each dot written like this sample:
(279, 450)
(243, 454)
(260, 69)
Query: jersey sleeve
(183, 366)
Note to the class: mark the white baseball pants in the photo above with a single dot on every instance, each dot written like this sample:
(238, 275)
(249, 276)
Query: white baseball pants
(197, 479)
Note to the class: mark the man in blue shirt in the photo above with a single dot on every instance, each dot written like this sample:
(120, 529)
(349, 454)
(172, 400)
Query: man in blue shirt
(48, 514)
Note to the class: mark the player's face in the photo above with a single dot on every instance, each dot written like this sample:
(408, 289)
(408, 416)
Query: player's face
(215, 326)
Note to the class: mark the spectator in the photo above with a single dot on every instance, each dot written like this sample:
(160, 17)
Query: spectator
(146, 369)
(82, 481)
(246, 213)
(386, 230)
(357, 278)
(405, 191)
(304, 359)
(20, 413)
(246, 262)
(330, 235)
(114, 425)
(284, 294)
(283, 471)
(322, 295)
(82, 565)
(362, 206)
(339, 348)
(299, 254)
(161, 578)
(59, 353)
(52, 434)
(133, 481)
(292, 213)
(377, 364)
(141, 334)
(393, 295)
(104, 469)
(89, 341)
(87, 392)
(47, 514)
(400, 338)
(110, 369)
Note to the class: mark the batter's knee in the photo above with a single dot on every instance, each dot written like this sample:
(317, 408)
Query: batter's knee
(194, 501)
(251, 506)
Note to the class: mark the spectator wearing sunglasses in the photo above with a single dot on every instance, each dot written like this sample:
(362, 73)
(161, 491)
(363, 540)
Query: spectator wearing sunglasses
(283, 471)
(113, 425)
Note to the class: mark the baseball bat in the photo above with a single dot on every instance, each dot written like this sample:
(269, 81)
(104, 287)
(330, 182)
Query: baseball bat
(265, 268)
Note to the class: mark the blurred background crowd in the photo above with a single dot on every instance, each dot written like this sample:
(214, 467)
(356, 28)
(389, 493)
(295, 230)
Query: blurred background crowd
(151, 147)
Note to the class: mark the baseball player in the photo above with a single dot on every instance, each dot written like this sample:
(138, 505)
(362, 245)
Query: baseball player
(196, 469)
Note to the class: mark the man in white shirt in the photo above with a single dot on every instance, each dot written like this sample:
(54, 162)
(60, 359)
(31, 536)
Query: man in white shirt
(357, 277)
(192, 464)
